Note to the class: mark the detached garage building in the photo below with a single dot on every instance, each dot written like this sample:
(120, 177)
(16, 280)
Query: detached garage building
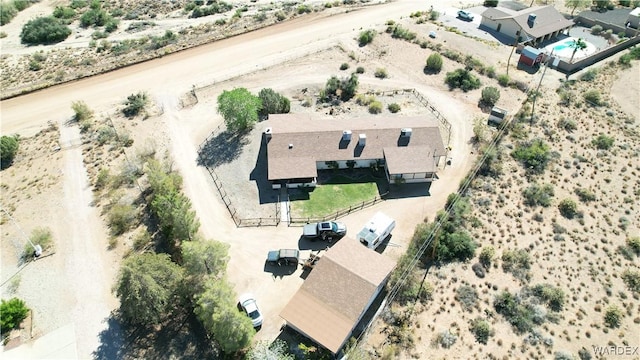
(337, 293)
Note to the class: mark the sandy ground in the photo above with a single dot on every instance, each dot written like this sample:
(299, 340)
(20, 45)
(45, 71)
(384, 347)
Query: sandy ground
(82, 269)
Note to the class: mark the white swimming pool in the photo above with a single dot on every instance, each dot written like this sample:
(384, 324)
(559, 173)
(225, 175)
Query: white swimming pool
(564, 49)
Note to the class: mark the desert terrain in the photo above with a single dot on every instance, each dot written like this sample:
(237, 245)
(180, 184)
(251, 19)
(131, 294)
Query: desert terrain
(52, 184)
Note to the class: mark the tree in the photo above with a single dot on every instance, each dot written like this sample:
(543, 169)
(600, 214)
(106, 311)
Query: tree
(263, 350)
(12, 312)
(568, 208)
(273, 103)
(366, 37)
(491, 3)
(463, 79)
(147, 287)
(44, 30)
(239, 109)
(576, 4)
(8, 150)
(535, 155)
(217, 311)
(81, 111)
(434, 63)
(178, 221)
(481, 330)
(490, 96)
(576, 45)
(7, 12)
(204, 259)
(135, 103)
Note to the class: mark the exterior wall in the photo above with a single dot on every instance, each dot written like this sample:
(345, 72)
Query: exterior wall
(634, 21)
(322, 165)
(630, 32)
(412, 177)
(579, 65)
(508, 28)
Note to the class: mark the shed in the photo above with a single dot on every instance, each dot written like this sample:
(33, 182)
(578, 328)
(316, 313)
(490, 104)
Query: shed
(634, 18)
(530, 56)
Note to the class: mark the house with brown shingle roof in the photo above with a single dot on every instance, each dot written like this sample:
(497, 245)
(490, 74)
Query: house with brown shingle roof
(337, 293)
(409, 148)
(529, 26)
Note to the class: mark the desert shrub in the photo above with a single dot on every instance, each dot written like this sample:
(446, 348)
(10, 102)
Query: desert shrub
(434, 63)
(7, 12)
(613, 316)
(568, 208)
(481, 330)
(94, 17)
(519, 315)
(491, 72)
(381, 73)
(64, 12)
(593, 97)
(44, 30)
(120, 218)
(81, 111)
(375, 107)
(12, 313)
(398, 32)
(134, 104)
(517, 262)
(467, 296)
(490, 3)
(504, 79)
(631, 278)
(585, 195)
(535, 155)
(490, 96)
(596, 29)
(603, 142)
(365, 100)
(111, 25)
(39, 236)
(452, 55)
(567, 124)
(273, 102)
(393, 107)
(344, 66)
(433, 15)
(344, 89)
(625, 3)
(8, 150)
(366, 37)
(625, 60)
(551, 295)
(634, 244)
(486, 256)
(635, 51)
(589, 75)
(105, 134)
(446, 339)
(303, 9)
(537, 194)
(463, 79)
(359, 70)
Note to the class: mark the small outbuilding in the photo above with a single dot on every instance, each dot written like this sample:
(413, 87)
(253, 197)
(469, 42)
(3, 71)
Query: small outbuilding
(634, 18)
(530, 56)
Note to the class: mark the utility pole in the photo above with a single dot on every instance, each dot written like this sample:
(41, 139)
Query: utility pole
(535, 96)
(37, 249)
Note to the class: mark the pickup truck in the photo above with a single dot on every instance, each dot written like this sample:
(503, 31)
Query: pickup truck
(284, 257)
(324, 230)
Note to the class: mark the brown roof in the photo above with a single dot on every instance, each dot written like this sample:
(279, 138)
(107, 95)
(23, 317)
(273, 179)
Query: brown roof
(298, 142)
(548, 19)
(336, 293)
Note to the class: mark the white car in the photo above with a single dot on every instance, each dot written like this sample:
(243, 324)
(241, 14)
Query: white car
(250, 306)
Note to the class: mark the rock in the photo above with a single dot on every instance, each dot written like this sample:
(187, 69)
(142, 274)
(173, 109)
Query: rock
(478, 269)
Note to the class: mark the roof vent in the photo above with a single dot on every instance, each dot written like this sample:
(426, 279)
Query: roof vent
(362, 139)
(532, 19)
(290, 146)
(406, 132)
(267, 133)
(346, 135)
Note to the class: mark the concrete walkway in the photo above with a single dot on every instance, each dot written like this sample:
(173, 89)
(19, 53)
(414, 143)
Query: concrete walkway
(58, 344)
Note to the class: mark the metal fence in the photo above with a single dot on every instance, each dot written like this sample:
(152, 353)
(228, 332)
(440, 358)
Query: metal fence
(338, 214)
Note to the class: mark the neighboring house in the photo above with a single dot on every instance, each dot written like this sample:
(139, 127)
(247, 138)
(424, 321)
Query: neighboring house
(410, 149)
(533, 25)
(337, 293)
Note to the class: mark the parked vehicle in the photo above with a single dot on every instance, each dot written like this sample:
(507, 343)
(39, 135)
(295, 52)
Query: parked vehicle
(465, 15)
(250, 307)
(284, 257)
(376, 230)
(324, 230)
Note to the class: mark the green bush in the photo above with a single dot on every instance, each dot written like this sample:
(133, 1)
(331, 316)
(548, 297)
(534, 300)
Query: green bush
(345, 89)
(551, 295)
(273, 102)
(344, 66)
(631, 278)
(7, 12)
(398, 32)
(481, 329)
(134, 104)
(490, 96)
(593, 97)
(613, 316)
(517, 262)
(568, 208)
(44, 30)
(94, 17)
(486, 256)
(434, 63)
(625, 60)
(64, 12)
(8, 150)
(81, 110)
(359, 70)
(490, 3)
(634, 244)
(603, 142)
(394, 108)
(12, 313)
(463, 79)
(503, 80)
(120, 218)
(366, 37)
(467, 296)
(535, 155)
(381, 73)
(567, 124)
(589, 75)
(585, 195)
(491, 72)
(596, 29)
(538, 195)
(375, 107)
(519, 315)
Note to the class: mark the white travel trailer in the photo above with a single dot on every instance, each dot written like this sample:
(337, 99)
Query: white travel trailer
(376, 230)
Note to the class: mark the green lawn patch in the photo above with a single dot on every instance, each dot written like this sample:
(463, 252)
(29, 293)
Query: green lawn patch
(339, 193)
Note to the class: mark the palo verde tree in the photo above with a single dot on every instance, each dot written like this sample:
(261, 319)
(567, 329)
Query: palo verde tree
(216, 310)
(44, 30)
(148, 287)
(8, 150)
(239, 109)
